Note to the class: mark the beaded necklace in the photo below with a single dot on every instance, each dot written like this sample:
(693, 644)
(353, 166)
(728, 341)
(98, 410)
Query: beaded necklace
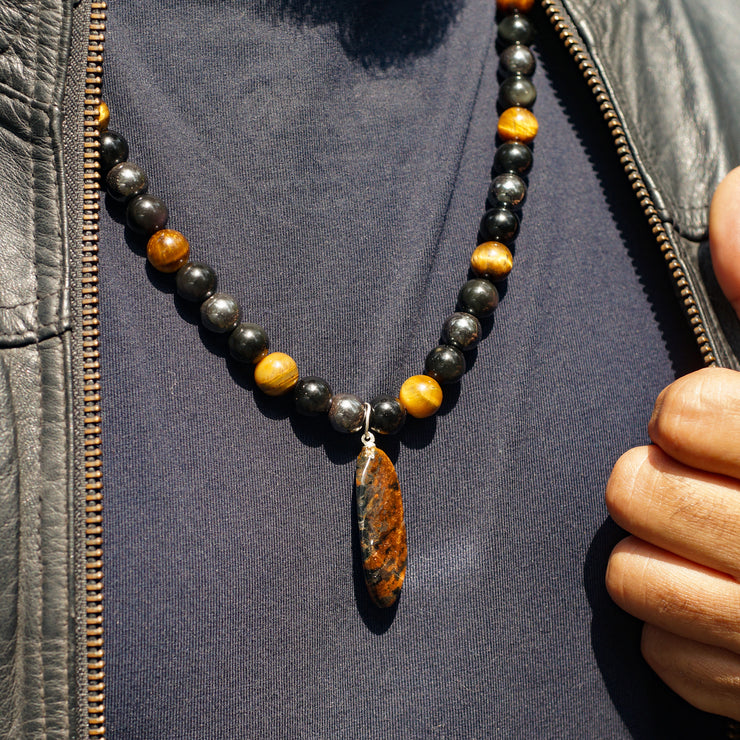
(379, 506)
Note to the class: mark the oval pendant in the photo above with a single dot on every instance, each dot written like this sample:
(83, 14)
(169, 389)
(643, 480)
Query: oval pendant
(381, 525)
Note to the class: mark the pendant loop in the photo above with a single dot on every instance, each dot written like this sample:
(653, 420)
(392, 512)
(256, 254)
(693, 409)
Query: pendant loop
(368, 438)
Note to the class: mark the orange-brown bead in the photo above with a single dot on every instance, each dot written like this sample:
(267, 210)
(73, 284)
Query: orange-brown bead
(167, 250)
(492, 260)
(508, 6)
(276, 373)
(103, 117)
(517, 124)
(421, 396)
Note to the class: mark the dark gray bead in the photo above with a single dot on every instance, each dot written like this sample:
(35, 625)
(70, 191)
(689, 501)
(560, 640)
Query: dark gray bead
(478, 297)
(517, 91)
(248, 343)
(387, 416)
(220, 313)
(462, 331)
(195, 282)
(517, 59)
(499, 225)
(445, 364)
(125, 181)
(507, 190)
(515, 28)
(346, 413)
(113, 150)
(312, 396)
(512, 156)
(146, 214)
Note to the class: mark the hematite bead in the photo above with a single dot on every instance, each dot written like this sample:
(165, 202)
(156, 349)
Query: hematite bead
(113, 150)
(312, 396)
(146, 214)
(512, 156)
(346, 413)
(445, 364)
(195, 282)
(387, 415)
(516, 28)
(499, 225)
(462, 331)
(517, 91)
(248, 343)
(507, 190)
(517, 59)
(478, 297)
(220, 313)
(126, 180)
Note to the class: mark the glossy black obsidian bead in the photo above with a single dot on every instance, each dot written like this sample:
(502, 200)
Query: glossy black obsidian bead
(346, 413)
(515, 29)
(387, 416)
(312, 396)
(517, 59)
(512, 156)
(195, 282)
(462, 330)
(248, 343)
(445, 364)
(126, 180)
(146, 214)
(478, 297)
(113, 150)
(499, 225)
(517, 91)
(220, 313)
(507, 190)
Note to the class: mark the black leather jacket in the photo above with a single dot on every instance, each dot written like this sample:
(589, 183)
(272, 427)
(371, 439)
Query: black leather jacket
(675, 148)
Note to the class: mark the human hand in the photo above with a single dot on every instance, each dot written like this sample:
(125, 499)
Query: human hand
(680, 498)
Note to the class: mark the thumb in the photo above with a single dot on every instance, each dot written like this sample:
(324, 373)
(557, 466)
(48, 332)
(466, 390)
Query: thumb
(724, 237)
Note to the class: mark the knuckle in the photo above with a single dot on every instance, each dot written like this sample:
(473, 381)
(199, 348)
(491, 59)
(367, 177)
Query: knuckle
(623, 484)
(618, 579)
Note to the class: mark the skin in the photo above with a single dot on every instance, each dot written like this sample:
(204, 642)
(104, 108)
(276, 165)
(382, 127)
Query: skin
(679, 497)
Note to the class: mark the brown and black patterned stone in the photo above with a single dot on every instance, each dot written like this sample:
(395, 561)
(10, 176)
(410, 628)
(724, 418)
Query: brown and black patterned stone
(381, 525)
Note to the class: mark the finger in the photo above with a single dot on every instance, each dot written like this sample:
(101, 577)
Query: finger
(696, 420)
(689, 512)
(706, 676)
(724, 236)
(675, 594)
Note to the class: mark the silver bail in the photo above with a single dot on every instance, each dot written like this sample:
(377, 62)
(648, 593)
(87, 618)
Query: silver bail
(368, 438)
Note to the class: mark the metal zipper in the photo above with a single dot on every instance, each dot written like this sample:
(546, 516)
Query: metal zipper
(565, 30)
(91, 377)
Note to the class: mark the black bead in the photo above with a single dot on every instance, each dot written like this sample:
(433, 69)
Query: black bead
(195, 282)
(146, 214)
(517, 91)
(462, 331)
(113, 150)
(515, 28)
(517, 59)
(220, 313)
(512, 156)
(445, 364)
(387, 415)
(248, 343)
(346, 413)
(499, 225)
(126, 180)
(312, 396)
(507, 190)
(478, 297)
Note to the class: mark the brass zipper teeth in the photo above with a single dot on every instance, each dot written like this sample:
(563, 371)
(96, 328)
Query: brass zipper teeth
(91, 377)
(563, 28)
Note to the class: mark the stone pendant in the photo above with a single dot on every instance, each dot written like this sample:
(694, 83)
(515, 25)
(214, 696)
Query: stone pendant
(381, 525)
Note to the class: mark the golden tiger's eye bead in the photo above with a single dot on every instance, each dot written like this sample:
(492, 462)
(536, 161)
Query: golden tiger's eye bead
(517, 124)
(103, 117)
(421, 396)
(276, 373)
(509, 6)
(167, 250)
(492, 260)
